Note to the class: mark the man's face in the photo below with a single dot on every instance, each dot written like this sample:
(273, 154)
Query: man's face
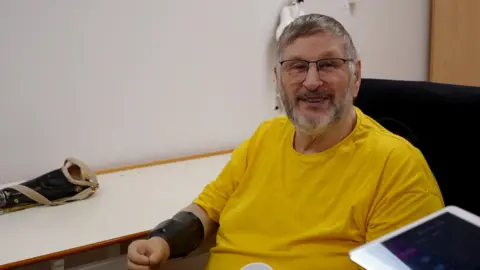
(316, 97)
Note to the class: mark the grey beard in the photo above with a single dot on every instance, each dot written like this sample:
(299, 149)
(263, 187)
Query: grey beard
(313, 128)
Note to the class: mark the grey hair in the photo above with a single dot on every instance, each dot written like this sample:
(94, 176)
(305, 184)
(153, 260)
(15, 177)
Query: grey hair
(311, 24)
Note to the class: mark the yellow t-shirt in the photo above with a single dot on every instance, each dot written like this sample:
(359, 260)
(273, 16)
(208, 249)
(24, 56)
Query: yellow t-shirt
(307, 211)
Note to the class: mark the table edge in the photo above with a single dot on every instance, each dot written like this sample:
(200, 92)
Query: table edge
(117, 240)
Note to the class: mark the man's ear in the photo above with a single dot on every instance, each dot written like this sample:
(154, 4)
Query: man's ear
(357, 76)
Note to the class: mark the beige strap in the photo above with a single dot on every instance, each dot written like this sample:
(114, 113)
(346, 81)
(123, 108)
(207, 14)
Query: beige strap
(32, 194)
(89, 179)
(39, 198)
(85, 171)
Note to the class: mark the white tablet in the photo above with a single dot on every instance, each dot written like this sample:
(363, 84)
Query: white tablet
(448, 239)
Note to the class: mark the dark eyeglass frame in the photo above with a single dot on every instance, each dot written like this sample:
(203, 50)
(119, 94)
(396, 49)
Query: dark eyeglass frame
(316, 62)
(300, 77)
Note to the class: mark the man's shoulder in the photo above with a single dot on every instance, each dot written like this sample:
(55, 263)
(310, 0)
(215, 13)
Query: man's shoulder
(404, 167)
(384, 139)
(389, 149)
(273, 125)
(276, 120)
(268, 132)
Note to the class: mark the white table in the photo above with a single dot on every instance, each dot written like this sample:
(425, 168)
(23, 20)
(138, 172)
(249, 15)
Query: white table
(127, 205)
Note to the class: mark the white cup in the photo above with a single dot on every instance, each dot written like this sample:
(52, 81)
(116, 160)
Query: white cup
(257, 266)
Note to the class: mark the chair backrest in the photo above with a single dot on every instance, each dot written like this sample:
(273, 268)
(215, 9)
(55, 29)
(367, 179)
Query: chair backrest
(439, 119)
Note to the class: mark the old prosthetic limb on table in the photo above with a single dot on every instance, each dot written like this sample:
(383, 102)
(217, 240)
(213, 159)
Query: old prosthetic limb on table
(73, 181)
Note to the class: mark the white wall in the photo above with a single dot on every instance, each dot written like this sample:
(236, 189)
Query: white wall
(117, 82)
(392, 36)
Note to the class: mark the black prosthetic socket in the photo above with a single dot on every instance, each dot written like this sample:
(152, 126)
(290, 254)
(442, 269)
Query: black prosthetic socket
(53, 185)
(184, 232)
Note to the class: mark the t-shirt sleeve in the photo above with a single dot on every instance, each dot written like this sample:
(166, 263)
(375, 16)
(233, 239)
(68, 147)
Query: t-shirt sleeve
(216, 194)
(407, 192)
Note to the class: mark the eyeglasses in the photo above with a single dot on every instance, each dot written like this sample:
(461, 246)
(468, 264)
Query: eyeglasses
(297, 70)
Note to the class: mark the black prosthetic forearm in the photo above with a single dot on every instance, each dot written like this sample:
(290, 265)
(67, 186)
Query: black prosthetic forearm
(184, 232)
(52, 185)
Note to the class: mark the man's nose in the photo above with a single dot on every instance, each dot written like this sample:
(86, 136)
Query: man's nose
(312, 80)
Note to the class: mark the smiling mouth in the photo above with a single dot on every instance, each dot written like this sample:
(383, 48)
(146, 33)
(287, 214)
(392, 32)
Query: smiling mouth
(315, 99)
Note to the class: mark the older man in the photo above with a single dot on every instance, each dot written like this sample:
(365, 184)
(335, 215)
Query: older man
(308, 187)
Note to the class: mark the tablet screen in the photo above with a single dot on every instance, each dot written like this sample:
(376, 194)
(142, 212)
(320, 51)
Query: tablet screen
(443, 243)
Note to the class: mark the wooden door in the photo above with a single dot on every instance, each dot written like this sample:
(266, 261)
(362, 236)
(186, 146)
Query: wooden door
(455, 42)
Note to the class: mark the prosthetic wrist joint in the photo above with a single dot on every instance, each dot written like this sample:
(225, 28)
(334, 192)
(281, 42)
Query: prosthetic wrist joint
(183, 233)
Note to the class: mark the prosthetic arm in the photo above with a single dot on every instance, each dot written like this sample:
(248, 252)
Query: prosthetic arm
(73, 181)
(184, 232)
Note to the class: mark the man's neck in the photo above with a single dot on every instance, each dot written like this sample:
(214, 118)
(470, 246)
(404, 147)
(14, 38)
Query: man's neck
(308, 144)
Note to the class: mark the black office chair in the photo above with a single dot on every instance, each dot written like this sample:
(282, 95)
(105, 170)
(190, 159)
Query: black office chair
(441, 120)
